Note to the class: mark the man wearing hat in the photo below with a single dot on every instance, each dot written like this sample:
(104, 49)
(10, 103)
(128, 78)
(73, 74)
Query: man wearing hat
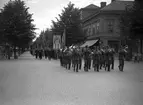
(112, 53)
(75, 60)
(69, 54)
(122, 53)
(36, 53)
(96, 59)
(102, 58)
(108, 58)
(86, 58)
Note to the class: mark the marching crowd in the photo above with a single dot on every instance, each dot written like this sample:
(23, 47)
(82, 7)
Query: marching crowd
(40, 53)
(96, 58)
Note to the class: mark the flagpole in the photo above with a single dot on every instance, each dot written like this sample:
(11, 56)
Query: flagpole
(64, 38)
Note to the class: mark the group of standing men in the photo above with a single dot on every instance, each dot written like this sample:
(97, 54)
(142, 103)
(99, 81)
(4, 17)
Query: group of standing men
(98, 58)
(40, 53)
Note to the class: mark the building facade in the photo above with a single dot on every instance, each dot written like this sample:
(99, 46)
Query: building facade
(104, 23)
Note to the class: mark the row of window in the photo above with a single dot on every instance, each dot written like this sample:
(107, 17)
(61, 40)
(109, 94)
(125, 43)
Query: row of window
(94, 28)
(110, 25)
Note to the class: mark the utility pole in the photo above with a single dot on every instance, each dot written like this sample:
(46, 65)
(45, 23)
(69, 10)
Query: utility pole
(64, 37)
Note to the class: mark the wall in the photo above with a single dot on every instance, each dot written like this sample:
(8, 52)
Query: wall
(104, 24)
(87, 12)
(90, 24)
(103, 34)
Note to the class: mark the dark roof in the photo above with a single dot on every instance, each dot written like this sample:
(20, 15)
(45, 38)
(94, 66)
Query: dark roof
(111, 8)
(117, 5)
(91, 6)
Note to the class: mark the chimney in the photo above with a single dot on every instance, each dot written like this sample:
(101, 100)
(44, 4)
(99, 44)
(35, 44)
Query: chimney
(103, 4)
(112, 1)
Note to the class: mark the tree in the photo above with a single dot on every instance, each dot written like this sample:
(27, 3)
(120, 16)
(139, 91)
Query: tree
(44, 40)
(40, 40)
(1, 34)
(132, 22)
(137, 22)
(124, 25)
(48, 38)
(69, 19)
(16, 24)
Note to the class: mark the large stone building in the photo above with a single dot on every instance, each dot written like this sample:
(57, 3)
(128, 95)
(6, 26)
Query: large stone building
(103, 22)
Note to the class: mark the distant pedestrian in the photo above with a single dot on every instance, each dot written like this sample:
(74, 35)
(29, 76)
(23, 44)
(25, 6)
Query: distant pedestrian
(86, 58)
(96, 60)
(122, 53)
(75, 60)
(36, 53)
(138, 57)
(40, 53)
(112, 53)
(108, 58)
(46, 53)
(135, 57)
(49, 53)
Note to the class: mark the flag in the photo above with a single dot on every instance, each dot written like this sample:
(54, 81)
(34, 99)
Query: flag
(64, 38)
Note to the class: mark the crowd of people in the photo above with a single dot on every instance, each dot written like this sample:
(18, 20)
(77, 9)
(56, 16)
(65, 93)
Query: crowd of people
(71, 57)
(137, 57)
(97, 58)
(39, 53)
(6, 52)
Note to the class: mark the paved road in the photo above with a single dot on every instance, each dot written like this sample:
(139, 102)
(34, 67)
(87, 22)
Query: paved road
(27, 81)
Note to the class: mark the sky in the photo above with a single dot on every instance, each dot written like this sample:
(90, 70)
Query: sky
(44, 11)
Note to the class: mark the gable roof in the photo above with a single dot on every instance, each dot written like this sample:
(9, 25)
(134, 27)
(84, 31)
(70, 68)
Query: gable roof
(117, 5)
(91, 6)
(113, 7)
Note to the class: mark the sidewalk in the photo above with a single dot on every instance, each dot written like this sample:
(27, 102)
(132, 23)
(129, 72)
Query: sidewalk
(22, 56)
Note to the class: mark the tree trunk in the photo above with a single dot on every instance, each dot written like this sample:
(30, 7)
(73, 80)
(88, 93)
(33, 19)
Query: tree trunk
(9, 53)
(15, 56)
(141, 46)
(19, 51)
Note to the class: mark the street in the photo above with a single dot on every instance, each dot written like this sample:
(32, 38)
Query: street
(27, 81)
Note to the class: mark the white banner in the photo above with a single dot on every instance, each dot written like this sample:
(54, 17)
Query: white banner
(56, 41)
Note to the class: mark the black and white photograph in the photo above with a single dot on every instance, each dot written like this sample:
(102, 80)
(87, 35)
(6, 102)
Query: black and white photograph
(71, 52)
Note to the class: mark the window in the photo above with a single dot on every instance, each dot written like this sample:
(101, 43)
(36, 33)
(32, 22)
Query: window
(89, 30)
(85, 31)
(110, 25)
(97, 27)
(91, 33)
(93, 30)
